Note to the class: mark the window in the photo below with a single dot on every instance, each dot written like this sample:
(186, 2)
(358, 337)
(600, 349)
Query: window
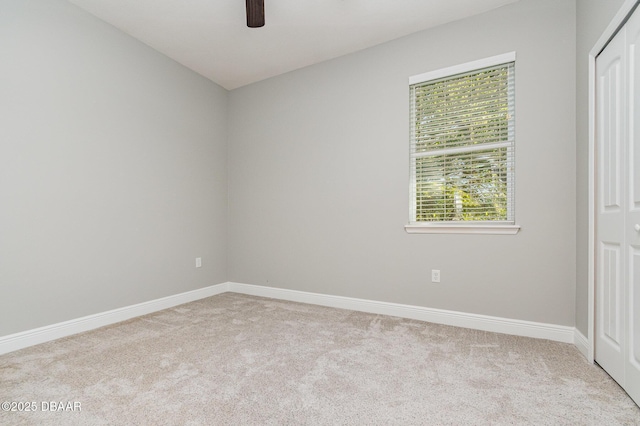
(463, 148)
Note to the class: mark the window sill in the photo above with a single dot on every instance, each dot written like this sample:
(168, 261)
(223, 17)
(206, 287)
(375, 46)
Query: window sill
(441, 228)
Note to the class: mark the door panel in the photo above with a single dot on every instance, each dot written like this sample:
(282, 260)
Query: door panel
(635, 296)
(632, 358)
(610, 125)
(611, 295)
(632, 365)
(617, 335)
(610, 324)
(610, 257)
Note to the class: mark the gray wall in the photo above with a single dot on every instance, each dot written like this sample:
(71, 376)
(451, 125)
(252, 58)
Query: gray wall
(319, 171)
(112, 169)
(592, 18)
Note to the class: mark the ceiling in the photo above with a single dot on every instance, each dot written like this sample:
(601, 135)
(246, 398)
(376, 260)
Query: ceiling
(211, 36)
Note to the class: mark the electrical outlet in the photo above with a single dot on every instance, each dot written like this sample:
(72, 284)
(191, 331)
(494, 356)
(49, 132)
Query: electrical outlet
(435, 275)
(198, 262)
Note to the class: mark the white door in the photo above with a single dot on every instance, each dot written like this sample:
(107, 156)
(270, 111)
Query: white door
(632, 228)
(618, 208)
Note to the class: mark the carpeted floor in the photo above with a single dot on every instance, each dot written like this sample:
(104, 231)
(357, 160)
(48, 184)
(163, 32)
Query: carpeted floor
(240, 360)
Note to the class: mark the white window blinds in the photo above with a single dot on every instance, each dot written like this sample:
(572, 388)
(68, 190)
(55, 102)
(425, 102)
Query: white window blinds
(462, 146)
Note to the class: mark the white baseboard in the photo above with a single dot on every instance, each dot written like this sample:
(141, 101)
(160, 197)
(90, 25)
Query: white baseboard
(16, 341)
(582, 343)
(557, 333)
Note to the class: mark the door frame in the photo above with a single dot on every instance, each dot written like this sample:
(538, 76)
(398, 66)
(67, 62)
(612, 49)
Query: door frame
(616, 23)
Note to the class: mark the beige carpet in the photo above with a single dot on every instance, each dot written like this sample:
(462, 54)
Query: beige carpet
(239, 360)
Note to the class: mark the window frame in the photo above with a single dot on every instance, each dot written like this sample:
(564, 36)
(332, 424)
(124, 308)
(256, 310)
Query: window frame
(461, 227)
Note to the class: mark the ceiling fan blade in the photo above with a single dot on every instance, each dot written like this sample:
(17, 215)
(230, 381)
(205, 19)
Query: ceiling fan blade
(255, 13)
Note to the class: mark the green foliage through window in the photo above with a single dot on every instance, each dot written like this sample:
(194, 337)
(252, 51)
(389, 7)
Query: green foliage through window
(462, 147)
